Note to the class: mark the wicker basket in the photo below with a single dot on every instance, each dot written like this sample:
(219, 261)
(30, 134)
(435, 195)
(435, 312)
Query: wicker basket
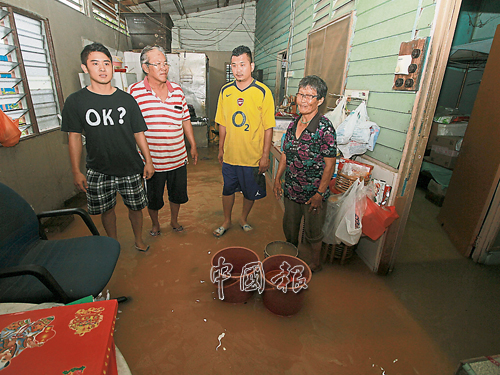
(343, 182)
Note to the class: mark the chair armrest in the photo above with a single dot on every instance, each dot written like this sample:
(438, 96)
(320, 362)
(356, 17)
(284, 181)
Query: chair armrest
(42, 274)
(72, 211)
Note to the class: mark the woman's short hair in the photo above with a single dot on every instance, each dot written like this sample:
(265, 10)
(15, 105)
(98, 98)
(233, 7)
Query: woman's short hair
(315, 83)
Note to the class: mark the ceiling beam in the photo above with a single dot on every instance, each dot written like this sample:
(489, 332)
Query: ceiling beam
(180, 7)
(150, 7)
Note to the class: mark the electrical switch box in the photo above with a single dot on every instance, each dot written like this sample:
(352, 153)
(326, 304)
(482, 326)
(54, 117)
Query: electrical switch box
(410, 65)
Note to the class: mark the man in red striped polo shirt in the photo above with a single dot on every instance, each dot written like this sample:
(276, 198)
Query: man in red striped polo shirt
(165, 110)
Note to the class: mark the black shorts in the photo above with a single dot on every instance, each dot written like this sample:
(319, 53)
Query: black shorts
(176, 181)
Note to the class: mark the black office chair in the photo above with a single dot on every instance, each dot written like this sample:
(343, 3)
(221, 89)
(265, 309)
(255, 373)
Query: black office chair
(35, 270)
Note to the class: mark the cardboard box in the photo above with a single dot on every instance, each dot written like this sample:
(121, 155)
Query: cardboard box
(449, 142)
(446, 161)
(73, 339)
(456, 129)
(478, 366)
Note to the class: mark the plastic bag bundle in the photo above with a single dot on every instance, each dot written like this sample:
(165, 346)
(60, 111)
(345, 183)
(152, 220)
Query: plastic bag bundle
(357, 134)
(343, 217)
(337, 116)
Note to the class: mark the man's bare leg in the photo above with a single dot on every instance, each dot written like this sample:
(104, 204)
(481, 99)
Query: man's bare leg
(247, 207)
(174, 215)
(136, 221)
(153, 214)
(108, 220)
(227, 206)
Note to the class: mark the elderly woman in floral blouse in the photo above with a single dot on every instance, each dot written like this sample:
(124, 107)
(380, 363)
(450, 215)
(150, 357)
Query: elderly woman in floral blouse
(308, 161)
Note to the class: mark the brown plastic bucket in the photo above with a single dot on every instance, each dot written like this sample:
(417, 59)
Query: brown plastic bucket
(239, 257)
(280, 247)
(275, 300)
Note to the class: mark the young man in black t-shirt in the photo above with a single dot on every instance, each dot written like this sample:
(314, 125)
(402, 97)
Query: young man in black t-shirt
(113, 126)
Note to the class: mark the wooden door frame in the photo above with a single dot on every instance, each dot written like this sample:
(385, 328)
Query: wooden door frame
(445, 22)
(278, 75)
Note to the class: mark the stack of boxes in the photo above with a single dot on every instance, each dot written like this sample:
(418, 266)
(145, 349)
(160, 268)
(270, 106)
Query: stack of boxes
(445, 140)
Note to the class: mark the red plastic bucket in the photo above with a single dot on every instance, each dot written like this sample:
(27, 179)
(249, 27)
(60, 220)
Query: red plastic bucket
(238, 257)
(275, 298)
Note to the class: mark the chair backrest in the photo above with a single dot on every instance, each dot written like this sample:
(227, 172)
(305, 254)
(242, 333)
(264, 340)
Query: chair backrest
(18, 226)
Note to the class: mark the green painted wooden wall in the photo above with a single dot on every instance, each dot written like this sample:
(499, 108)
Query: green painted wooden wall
(379, 29)
(271, 36)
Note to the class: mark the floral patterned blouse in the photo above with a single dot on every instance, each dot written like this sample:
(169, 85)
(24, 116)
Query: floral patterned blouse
(305, 161)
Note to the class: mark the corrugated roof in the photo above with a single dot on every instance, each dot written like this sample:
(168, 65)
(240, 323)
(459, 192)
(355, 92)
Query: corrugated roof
(180, 7)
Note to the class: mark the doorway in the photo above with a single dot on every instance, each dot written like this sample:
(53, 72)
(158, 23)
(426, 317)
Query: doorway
(475, 31)
(281, 68)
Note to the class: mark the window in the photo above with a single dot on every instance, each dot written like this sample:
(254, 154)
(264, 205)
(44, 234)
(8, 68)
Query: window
(326, 56)
(229, 73)
(29, 83)
(78, 5)
(109, 14)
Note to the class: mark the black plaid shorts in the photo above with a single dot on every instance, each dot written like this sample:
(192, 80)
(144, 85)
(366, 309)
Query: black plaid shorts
(101, 192)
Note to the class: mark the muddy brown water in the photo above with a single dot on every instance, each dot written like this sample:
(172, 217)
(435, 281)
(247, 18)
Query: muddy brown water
(351, 322)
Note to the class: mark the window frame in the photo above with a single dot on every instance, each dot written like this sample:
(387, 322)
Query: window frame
(82, 4)
(102, 6)
(53, 70)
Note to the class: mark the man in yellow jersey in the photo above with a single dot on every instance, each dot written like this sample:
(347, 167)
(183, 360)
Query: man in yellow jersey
(245, 114)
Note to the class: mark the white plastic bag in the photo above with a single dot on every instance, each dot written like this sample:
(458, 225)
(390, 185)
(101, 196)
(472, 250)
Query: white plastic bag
(353, 148)
(350, 215)
(337, 116)
(347, 127)
(332, 211)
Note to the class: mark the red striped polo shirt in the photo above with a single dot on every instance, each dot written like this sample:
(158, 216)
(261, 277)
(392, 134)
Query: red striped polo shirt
(165, 134)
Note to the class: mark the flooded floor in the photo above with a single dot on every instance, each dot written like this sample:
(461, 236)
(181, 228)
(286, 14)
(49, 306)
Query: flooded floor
(435, 309)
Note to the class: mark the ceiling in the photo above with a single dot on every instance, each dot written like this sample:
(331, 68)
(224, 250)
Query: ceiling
(174, 7)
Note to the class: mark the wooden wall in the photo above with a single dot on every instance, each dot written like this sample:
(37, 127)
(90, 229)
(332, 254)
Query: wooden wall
(271, 36)
(380, 27)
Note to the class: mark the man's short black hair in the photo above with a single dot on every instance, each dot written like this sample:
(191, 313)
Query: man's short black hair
(238, 51)
(94, 47)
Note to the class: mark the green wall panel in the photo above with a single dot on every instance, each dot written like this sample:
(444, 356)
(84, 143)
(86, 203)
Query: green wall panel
(364, 6)
(379, 48)
(386, 11)
(392, 27)
(395, 101)
(380, 83)
(387, 155)
(379, 65)
(426, 17)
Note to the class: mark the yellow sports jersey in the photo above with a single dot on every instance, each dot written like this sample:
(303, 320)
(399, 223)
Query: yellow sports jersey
(246, 114)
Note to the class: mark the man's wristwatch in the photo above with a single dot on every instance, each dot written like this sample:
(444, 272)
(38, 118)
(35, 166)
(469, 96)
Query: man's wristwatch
(324, 194)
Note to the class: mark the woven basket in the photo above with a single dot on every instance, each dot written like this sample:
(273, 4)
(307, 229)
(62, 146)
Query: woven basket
(343, 182)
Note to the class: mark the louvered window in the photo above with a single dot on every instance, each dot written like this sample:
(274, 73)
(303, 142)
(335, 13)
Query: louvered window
(109, 14)
(29, 83)
(78, 5)
(327, 10)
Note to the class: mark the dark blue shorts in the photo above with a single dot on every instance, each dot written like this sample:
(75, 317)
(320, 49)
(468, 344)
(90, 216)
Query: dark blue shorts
(244, 179)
